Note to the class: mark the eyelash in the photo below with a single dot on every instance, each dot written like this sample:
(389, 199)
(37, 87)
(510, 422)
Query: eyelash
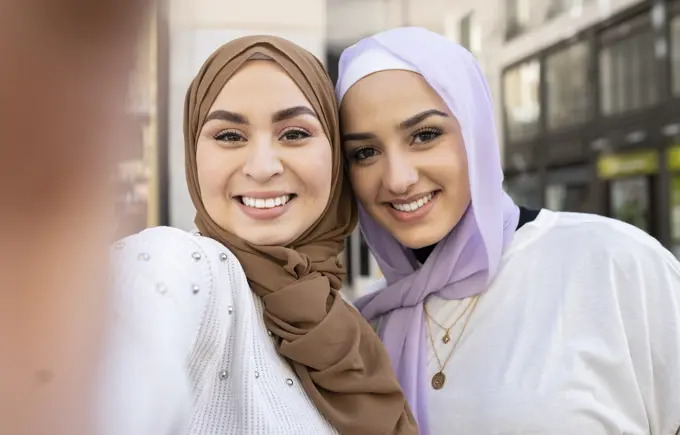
(435, 131)
(222, 136)
(237, 136)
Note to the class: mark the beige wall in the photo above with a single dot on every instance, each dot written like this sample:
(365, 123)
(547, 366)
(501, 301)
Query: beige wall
(350, 20)
(198, 27)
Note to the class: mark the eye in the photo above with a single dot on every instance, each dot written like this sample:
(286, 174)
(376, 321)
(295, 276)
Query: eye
(230, 136)
(294, 135)
(364, 153)
(426, 135)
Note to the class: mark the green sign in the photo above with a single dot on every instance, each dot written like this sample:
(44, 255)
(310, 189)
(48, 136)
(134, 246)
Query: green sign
(673, 156)
(675, 209)
(628, 164)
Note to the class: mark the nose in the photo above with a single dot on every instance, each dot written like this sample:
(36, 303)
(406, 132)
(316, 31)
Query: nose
(400, 175)
(262, 162)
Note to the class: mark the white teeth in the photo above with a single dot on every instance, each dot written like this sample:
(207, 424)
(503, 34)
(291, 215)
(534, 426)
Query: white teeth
(265, 203)
(414, 205)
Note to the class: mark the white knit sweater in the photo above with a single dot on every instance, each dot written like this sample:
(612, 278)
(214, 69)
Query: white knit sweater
(189, 353)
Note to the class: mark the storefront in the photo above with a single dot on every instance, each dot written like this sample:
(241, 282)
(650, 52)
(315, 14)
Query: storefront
(595, 120)
(631, 180)
(673, 161)
(141, 185)
(568, 189)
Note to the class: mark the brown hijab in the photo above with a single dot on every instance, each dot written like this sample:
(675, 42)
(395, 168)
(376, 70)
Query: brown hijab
(335, 353)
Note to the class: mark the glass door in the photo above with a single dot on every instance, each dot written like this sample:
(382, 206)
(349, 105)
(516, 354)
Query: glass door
(631, 178)
(568, 188)
(567, 197)
(630, 201)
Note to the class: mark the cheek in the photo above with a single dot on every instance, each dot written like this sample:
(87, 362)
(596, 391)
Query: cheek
(462, 175)
(314, 167)
(448, 167)
(366, 183)
(214, 166)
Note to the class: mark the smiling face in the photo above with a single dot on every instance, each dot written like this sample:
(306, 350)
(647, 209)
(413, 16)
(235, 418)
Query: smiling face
(406, 156)
(264, 161)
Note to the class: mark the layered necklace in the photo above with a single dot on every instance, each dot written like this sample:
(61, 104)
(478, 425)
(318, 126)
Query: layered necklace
(439, 378)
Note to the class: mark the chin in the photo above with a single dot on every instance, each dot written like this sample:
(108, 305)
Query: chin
(267, 238)
(415, 239)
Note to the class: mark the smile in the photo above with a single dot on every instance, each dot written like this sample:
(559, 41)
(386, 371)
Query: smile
(414, 205)
(262, 203)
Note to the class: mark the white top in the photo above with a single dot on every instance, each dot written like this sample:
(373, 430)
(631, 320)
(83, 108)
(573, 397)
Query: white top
(189, 352)
(578, 334)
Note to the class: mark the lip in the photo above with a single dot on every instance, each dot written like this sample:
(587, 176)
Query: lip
(263, 214)
(263, 195)
(412, 197)
(413, 216)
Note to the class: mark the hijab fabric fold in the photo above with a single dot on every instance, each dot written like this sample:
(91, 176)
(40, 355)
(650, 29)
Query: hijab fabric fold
(467, 259)
(339, 360)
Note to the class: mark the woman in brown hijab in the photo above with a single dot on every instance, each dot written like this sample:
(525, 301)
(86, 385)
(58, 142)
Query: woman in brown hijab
(242, 323)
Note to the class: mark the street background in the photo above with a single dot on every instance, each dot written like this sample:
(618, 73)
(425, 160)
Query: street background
(587, 96)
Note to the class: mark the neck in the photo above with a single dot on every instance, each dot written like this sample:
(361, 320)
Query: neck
(422, 254)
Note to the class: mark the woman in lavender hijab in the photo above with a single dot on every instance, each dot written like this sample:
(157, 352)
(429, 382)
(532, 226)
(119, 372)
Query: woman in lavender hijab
(498, 319)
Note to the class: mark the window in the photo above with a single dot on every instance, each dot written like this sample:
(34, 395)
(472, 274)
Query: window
(567, 197)
(517, 16)
(567, 86)
(675, 53)
(521, 100)
(628, 72)
(470, 34)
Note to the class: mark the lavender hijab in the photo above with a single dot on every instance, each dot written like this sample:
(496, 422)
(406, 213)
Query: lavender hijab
(467, 259)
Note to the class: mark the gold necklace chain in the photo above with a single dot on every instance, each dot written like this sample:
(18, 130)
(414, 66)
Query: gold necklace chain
(439, 378)
(447, 331)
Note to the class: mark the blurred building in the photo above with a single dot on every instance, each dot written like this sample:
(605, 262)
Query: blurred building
(587, 99)
(588, 96)
(142, 173)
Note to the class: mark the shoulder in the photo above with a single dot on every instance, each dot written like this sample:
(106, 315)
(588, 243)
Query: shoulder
(598, 238)
(172, 240)
(177, 264)
(172, 248)
(166, 281)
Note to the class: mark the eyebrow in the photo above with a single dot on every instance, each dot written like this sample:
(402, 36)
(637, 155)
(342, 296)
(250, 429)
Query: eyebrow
(404, 125)
(292, 112)
(420, 117)
(225, 115)
(281, 115)
(357, 136)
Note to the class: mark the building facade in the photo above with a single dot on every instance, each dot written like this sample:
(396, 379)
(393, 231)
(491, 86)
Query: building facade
(590, 109)
(587, 96)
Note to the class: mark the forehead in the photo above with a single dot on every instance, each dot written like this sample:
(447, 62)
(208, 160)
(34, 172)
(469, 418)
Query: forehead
(260, 84)
(387, 95)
